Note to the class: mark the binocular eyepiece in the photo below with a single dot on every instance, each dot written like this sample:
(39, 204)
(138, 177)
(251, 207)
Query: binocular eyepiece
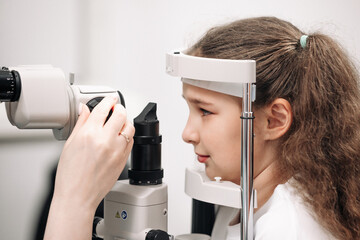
(146, 153)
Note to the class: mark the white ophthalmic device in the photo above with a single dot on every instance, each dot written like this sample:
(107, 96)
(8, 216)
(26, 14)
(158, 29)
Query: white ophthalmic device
(23, 87)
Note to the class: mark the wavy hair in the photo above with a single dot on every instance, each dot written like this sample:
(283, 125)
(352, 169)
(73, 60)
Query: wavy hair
(321, 150)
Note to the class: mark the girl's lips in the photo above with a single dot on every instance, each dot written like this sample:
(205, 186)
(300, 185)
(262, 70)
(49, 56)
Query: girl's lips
(202, 158)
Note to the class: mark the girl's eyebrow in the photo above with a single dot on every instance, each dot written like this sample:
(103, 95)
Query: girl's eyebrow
(196, 101)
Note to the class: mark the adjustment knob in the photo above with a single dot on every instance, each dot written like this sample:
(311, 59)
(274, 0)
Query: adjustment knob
(95, 101)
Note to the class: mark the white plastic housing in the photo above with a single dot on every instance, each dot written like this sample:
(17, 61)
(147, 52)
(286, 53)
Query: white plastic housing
(43, 102)
(130, 211)
(48, 101)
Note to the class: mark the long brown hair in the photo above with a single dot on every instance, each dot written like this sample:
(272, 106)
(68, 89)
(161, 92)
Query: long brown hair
(321, 151)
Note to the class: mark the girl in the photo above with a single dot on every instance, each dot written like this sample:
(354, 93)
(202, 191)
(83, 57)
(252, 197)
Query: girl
(307, 128)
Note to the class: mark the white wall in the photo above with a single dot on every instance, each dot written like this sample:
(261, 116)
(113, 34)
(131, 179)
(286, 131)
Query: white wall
(32, 32)
(122, 44)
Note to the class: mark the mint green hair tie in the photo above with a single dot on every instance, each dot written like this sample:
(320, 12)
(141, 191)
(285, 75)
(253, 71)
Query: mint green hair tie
(303, 39)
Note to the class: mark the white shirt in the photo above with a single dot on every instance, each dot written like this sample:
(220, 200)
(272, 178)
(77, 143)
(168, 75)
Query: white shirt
(283, 216)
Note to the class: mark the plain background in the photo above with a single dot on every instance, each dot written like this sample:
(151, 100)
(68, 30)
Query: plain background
(122, 44)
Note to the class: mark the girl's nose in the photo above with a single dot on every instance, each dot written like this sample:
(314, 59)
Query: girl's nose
(190, 133)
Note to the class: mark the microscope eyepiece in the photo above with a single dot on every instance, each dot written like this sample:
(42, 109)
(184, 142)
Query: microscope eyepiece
(10, 85)
(146, 153)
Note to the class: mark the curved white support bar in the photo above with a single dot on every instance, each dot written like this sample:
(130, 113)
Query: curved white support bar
(200, 187)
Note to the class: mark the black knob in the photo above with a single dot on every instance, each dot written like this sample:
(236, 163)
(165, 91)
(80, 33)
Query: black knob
(157, 235)
(10, 85)
(93, 102)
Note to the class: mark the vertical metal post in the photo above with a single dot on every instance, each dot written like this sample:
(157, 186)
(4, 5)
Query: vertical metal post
(247, 202)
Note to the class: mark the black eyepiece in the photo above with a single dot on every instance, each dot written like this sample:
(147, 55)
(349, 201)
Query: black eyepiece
(146, 153)
(10, 85)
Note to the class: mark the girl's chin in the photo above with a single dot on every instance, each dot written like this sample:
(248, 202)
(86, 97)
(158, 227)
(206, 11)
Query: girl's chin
(210, 174)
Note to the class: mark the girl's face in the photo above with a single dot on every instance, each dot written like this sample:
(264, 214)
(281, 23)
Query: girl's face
(213, 128)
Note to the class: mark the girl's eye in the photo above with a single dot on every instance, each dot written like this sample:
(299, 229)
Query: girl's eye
(205, 112)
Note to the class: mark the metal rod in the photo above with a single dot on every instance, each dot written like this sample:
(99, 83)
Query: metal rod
(247, 201)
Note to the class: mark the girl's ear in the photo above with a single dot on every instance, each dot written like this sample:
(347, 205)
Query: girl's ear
(279, 117)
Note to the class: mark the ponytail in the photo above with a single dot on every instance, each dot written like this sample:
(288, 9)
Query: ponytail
(326, 137)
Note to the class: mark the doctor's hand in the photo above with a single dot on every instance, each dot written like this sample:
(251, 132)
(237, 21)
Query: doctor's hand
(91, 162)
